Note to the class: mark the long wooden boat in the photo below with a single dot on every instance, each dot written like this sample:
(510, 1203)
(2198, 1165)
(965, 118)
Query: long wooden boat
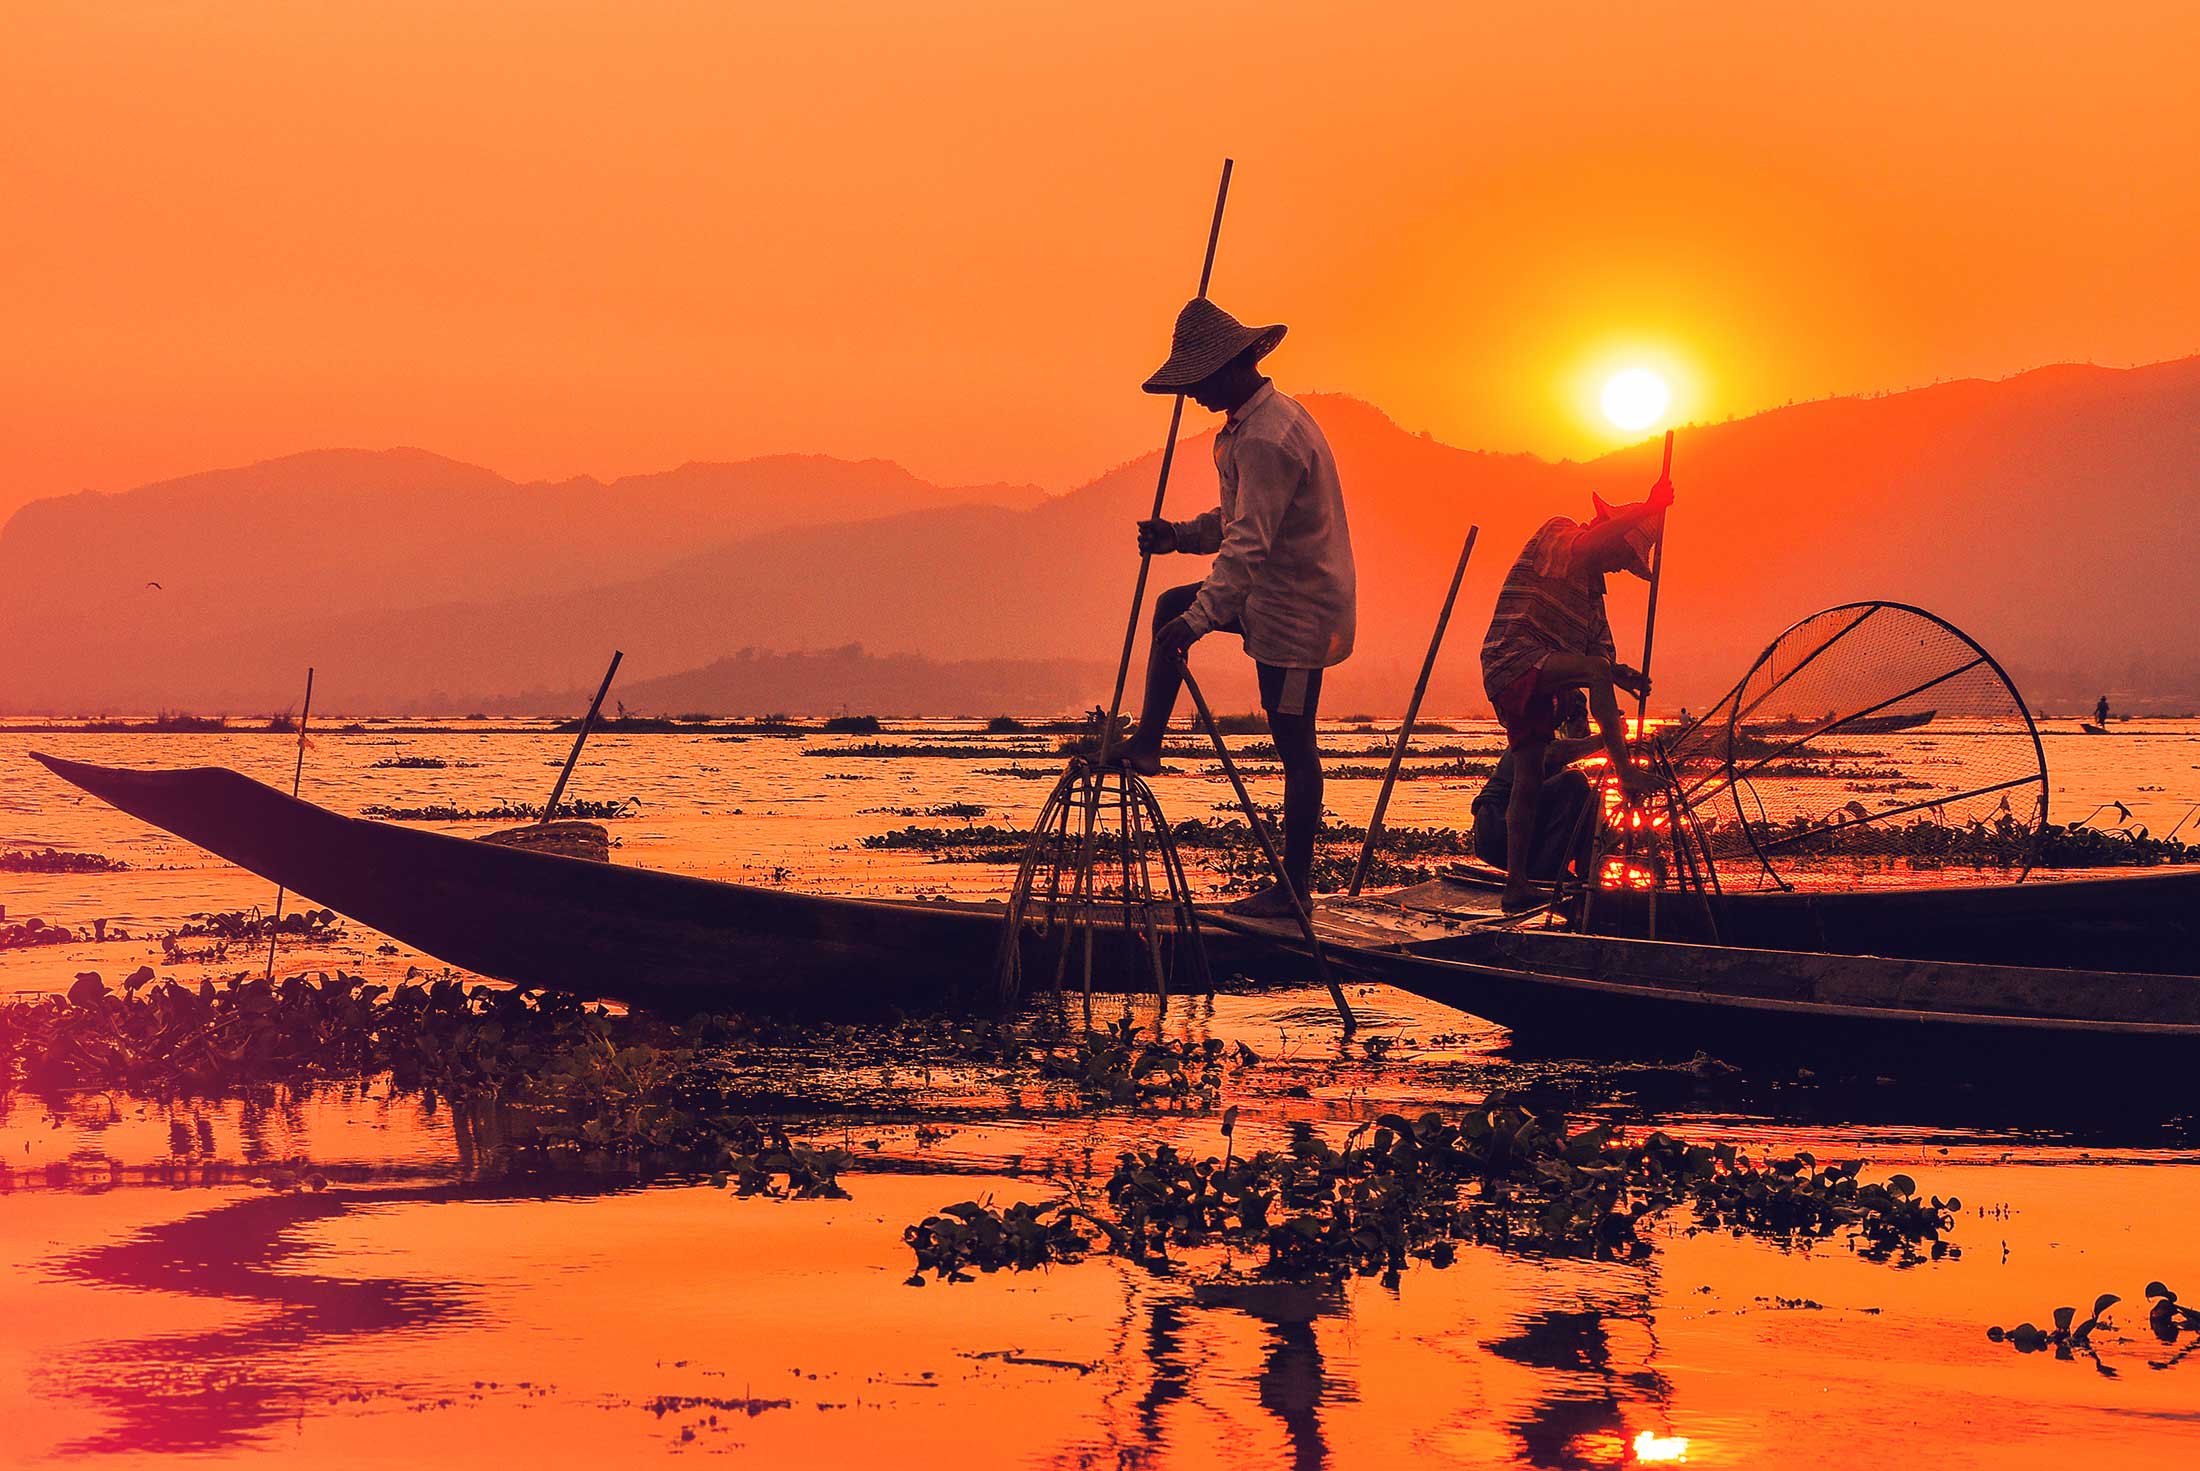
(670, 939)
(600, 929)
(1577, 993)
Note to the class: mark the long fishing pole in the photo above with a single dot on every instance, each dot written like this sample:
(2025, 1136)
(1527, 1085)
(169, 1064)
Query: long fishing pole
(1650, 618)
(1642, 700)
(297, 777)
(1161, 487)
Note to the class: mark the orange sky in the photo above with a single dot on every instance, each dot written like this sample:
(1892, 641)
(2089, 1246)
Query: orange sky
(563, 237)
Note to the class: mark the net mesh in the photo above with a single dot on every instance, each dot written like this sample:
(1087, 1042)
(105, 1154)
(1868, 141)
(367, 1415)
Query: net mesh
(1870, 743)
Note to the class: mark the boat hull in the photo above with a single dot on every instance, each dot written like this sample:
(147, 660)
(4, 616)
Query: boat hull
(603, 930)
(2131, 920)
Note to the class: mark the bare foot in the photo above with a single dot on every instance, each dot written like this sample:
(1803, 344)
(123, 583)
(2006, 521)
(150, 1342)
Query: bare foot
(1519, 899)
(1139, 759)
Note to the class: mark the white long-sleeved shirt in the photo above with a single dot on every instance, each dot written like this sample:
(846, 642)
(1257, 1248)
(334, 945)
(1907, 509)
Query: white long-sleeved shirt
(1283, 553)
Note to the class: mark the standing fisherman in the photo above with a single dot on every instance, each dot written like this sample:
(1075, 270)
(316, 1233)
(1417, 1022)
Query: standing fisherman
(1550, 635)
(1282, 574)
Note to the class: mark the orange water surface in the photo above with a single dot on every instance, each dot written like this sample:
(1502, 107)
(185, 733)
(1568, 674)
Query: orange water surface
(344, 1275)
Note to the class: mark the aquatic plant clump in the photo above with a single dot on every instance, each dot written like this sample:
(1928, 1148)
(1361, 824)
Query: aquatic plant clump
(1503, 1175)
(35, 931)
(547, 1077)
(503, 812)
(1237, 855)
(2172, 1324)
(53, 860)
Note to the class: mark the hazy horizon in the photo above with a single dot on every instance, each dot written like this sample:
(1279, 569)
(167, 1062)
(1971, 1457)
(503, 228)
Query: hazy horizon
(616, 237)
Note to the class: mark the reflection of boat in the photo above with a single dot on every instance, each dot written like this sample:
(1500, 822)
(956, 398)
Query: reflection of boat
(1606, 992)
(543, 920)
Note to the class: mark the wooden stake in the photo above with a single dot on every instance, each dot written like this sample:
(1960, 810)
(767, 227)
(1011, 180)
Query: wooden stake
(297, 777)
(1275, 861)
(588, 722)
(1413, 709)
(1160, 490)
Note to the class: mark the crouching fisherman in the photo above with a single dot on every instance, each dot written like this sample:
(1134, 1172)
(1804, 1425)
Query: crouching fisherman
(1550, 635)
(1560, 803)
(1282, 576)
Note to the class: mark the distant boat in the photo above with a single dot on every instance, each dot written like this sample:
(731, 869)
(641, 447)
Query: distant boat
(1882, 724)
(1865, 725)
(2091, 729)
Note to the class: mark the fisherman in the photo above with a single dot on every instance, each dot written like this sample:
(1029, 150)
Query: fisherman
(1282, 574)
(2100, 711)
(1559, 805)
(1550, 635)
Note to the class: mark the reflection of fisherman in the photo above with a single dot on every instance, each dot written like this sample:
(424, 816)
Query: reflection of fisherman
(1558, 806)
(2100, 711)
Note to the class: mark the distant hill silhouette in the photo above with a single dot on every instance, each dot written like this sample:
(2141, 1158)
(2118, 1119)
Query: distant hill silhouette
(236, 552)
(2047, 513)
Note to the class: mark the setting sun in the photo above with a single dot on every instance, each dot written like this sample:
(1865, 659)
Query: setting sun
(1635, 398)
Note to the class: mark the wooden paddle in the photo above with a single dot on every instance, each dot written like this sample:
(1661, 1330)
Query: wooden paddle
(1413, 709)
(588, 722)
(1160, 490)
(1275, 861)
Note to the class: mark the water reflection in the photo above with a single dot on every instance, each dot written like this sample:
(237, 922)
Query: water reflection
(1595, 1395)
(271, 1317)
(205, 1391)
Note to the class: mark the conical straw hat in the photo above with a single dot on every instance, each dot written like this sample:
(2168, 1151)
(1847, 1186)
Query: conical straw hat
(1206, 338)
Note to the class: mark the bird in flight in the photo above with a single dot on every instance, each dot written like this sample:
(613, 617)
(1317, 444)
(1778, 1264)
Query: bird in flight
(156, 587)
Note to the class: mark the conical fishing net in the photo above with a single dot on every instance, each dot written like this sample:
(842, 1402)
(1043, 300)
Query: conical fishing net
(1872, 742)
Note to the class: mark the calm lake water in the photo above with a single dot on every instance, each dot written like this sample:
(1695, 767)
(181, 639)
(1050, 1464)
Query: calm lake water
(428, 1307)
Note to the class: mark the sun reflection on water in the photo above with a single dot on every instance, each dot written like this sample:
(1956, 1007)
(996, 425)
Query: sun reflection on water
(1652, 1448)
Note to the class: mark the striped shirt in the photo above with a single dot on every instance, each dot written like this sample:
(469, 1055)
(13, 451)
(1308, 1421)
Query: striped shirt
(1283, 554)
(1547, 606)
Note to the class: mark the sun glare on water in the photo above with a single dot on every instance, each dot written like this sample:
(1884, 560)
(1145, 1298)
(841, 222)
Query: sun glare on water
(1652, 1448)
(1635, 398)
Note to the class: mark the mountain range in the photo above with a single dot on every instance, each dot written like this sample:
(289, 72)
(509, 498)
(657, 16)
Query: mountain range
(2048, 514)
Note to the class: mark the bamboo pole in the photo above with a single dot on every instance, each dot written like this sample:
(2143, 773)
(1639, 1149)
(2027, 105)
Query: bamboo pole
(1160, 490)
(1275, 861)
(297, 778)
(1657, 570)
(588, 722)
(1413, 709)
(1649, 641)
